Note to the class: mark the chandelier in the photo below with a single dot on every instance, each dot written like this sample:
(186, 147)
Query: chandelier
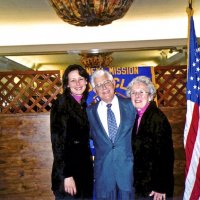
(90, 12)
(96, 60)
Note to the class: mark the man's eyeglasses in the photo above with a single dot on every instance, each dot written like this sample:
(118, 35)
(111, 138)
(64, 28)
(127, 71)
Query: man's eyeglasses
(103, 85)
(140, 93)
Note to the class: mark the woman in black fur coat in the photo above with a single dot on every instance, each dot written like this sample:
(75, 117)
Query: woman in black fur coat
(152, 144)
(72, 171)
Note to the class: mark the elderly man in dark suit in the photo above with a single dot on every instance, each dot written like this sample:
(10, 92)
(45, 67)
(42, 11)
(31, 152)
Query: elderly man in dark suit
(111, 121)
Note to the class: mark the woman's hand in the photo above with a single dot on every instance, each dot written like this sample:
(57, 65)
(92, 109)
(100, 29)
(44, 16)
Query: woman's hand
(157, 196)
(70, 186)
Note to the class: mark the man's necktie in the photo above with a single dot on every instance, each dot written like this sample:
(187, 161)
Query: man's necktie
(112, 124)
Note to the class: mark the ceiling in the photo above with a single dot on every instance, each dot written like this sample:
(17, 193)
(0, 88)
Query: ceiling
(151, 33)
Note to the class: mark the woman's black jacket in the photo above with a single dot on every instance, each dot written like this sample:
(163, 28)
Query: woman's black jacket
(70, 144)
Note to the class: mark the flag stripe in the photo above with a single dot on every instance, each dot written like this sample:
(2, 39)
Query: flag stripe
(191, 135)
(191, 168)
(196, 189)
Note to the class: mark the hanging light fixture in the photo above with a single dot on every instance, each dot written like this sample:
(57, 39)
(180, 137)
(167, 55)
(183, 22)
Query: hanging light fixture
(90, 12)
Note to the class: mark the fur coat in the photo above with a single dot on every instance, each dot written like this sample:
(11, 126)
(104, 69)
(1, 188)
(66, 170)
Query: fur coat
(153, 154)
(70, 145)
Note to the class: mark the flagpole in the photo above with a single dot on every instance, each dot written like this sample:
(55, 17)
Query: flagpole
(190, 12)
(190, 4)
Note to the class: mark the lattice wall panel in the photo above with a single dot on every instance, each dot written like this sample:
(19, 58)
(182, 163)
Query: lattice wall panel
(33, 91)
(28, 91)
(171, 85)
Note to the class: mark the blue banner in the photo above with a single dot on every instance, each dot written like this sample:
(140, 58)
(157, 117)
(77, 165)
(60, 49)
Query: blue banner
(122, 76)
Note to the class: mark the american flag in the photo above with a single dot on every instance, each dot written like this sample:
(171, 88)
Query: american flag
(192, 125)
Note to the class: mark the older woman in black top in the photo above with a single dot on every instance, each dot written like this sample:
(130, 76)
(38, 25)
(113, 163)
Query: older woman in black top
(152, 144)
(72, 172)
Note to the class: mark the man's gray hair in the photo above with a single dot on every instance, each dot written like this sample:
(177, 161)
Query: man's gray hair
(100, 72)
